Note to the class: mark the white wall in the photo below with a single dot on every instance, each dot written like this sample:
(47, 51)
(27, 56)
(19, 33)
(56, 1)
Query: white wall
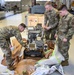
(2, 2)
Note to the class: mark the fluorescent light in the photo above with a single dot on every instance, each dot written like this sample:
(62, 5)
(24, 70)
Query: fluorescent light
(11, 0)
(43, 0)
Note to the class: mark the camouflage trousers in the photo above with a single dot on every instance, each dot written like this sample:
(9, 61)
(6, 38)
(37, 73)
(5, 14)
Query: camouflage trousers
(63, 48)
(49, 34)
(4, 44)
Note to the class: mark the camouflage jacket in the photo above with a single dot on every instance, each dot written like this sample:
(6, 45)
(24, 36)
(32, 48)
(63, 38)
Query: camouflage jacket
(51, 18)
(9, 31)
(66, 27)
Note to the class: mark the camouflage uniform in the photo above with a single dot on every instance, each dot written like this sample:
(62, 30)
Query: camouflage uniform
(5, 34)
(65, 30)
(51, 20)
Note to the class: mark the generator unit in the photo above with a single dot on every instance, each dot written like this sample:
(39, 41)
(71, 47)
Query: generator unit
(35, 43)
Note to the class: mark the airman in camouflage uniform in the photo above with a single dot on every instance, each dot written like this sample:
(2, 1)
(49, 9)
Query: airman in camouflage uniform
(5, 34)
(50, 21)
(65, 31)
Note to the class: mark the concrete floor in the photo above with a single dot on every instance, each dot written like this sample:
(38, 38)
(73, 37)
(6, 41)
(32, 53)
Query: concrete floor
(20, 18)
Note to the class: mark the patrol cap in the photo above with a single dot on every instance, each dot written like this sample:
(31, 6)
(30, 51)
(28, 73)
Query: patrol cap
(63, 7)
(23, 25)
